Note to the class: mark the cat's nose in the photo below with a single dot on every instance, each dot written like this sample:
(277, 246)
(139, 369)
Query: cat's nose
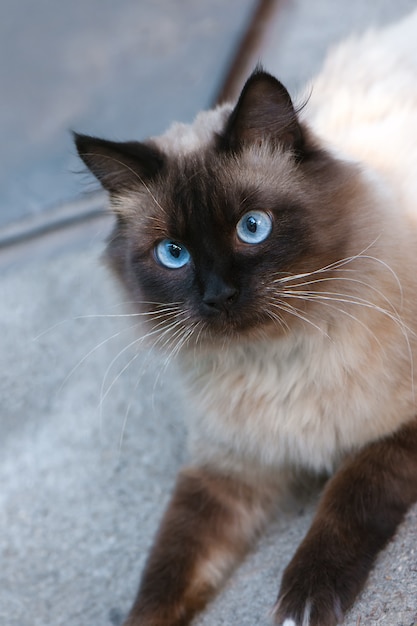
(220, 300)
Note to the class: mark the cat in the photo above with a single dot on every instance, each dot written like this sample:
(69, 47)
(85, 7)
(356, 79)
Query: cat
(272, 249)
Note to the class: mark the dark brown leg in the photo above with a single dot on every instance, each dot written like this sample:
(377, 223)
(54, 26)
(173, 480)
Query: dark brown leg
(358, 514)
(207, 528)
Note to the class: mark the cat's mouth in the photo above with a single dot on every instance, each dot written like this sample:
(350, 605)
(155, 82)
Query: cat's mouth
(187, 331)
(173, 327)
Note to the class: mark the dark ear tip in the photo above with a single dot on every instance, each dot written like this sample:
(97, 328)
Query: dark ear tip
(258, 70)
(80, 140)
(259, 74)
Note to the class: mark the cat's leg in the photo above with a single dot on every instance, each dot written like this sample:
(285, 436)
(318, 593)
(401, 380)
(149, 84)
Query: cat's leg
(208, 526)
(359, 512)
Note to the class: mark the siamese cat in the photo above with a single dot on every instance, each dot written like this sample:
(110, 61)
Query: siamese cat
(273, 250)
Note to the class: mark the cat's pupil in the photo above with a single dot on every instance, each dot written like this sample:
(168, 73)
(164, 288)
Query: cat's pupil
(174, 250)
(251, 224)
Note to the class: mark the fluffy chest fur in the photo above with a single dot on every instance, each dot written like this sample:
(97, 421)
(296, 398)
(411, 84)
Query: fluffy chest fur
(299, 402)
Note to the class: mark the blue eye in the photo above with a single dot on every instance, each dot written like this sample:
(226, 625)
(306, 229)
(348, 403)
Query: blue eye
(254, 227)
(171, 254)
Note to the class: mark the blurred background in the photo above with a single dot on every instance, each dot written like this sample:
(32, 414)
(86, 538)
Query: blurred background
(91, 431)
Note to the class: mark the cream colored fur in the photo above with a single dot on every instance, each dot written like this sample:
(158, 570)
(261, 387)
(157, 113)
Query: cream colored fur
(347, 376)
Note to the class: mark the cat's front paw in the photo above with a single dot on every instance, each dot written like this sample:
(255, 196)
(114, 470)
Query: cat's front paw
(307, 599)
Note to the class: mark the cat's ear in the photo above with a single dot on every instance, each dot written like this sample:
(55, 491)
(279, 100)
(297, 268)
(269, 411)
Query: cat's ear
(264, 111)
(119, 165)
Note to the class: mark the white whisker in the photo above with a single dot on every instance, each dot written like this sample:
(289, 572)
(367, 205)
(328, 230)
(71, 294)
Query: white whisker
(343, 279)
(90, 352)
(337, 265)
(344, 299)
(289, 308)
(138, 340)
